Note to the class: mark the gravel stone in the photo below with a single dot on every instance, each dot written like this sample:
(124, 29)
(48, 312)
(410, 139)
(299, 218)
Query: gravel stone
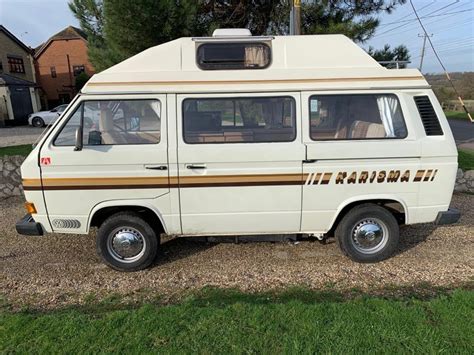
(57, 270)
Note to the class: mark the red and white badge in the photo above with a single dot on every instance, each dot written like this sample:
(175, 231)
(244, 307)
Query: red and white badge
(45, 161)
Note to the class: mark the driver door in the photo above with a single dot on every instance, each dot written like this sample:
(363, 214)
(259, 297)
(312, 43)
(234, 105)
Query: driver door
(124, 157)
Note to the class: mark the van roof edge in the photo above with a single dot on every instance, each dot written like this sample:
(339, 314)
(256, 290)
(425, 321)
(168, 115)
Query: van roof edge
(233, 39)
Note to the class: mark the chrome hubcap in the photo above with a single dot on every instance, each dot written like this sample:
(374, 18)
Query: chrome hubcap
(369, 235)
(126, 244)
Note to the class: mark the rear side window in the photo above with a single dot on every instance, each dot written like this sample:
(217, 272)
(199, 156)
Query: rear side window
(239, 120)
(220, 56)
(114, 122)
(350, 117)
(428, 116)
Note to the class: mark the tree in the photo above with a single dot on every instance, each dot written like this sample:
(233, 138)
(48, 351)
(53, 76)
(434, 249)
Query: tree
(132, 26)
(81, 80)
(386, 54)
(353, 18)
(118, 29)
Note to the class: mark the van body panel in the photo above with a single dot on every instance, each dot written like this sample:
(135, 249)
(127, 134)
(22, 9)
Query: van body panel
(74, 182)
(254, 193)
(339, 172)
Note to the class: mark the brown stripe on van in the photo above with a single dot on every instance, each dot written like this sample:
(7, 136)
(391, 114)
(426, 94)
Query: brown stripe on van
(428, 175)
(326, 178)
(434, 174)
(419, 175)
(316, 178)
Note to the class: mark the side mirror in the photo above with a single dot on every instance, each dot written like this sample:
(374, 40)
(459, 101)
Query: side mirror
(78, 146)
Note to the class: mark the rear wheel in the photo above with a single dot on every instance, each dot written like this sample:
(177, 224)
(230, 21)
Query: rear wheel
(37, 122)
(368, 233)
(126, 242)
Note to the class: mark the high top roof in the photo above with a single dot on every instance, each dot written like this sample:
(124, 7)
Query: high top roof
(298, 63)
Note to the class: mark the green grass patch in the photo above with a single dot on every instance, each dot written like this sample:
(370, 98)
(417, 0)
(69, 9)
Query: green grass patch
(466, 159)
(227, 321)
(16, 150)
(456, 115)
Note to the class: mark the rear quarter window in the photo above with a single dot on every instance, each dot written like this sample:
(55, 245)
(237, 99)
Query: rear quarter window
(355, 117)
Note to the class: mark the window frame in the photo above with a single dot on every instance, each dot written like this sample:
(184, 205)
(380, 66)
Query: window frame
(203, 66)
(16, 61)
(80, 106)
(237, 98)
(80, 67)
(356, 139)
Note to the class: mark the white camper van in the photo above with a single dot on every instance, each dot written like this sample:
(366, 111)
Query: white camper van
(242, 135)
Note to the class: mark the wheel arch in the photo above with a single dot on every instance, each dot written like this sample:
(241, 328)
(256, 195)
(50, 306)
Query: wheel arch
(383, 200)
(105, 209)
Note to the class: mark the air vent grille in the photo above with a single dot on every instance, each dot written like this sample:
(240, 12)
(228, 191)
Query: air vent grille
(428, 116)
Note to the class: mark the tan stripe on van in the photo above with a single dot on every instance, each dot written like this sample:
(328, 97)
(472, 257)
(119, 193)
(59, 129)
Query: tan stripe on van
(270, 81)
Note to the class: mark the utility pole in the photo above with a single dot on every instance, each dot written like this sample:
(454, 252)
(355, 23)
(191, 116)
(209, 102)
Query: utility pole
(424, 35)
(295, 17)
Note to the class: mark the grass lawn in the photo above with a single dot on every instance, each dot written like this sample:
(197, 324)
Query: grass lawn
(456, 115)
(466, 159)
(16, 150)
(218, 321)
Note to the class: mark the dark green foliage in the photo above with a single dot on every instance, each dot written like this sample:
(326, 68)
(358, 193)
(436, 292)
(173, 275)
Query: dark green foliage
(81, 80)
(387, 54)
(466, 159)
(16, 150)
(354, 18)
(222, 321)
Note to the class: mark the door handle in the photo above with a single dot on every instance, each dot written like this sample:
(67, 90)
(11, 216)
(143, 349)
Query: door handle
(157, 167)
(309, 161)
(196, 166)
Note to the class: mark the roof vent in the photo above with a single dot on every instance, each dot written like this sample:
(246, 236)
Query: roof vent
(231, 32)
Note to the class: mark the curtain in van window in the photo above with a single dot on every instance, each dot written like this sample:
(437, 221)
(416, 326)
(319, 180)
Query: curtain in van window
(255, 56)
(390, 114)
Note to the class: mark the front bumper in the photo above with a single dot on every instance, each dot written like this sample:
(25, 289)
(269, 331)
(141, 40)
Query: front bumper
(28, 226)
(450, 216)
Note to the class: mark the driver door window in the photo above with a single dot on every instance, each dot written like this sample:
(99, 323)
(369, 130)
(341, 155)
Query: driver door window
(114, 122)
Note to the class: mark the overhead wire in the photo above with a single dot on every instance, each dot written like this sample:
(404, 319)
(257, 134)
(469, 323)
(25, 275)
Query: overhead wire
(407, 24)
(441, 62)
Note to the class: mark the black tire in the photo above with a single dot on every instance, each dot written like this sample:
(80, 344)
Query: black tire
(358, 233)
(126, 224)
(37, 122)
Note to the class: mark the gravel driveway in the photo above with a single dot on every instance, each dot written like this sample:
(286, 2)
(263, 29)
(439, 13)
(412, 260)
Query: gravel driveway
(19, 135)
(55, 270)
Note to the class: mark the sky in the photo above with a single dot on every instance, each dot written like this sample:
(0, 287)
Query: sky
(450, 22)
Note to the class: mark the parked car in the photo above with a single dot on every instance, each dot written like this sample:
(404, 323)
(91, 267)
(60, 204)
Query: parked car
(240, 135)
(44, 118)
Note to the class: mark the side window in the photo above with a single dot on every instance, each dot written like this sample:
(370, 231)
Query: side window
(228, 56)
(346, 117)
(114, 122)
(239, 120)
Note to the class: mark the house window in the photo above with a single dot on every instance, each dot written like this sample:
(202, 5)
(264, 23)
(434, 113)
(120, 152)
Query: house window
(1, 67)
(16, 65)
(53, 72)
(225, 56)
(78, 69)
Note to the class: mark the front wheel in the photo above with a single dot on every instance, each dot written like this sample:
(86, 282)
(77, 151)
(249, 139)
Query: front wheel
(37, 122)
(126, 242)
(368, 233)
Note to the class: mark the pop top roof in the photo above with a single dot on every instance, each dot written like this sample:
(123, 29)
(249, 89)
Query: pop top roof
(298, 63)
